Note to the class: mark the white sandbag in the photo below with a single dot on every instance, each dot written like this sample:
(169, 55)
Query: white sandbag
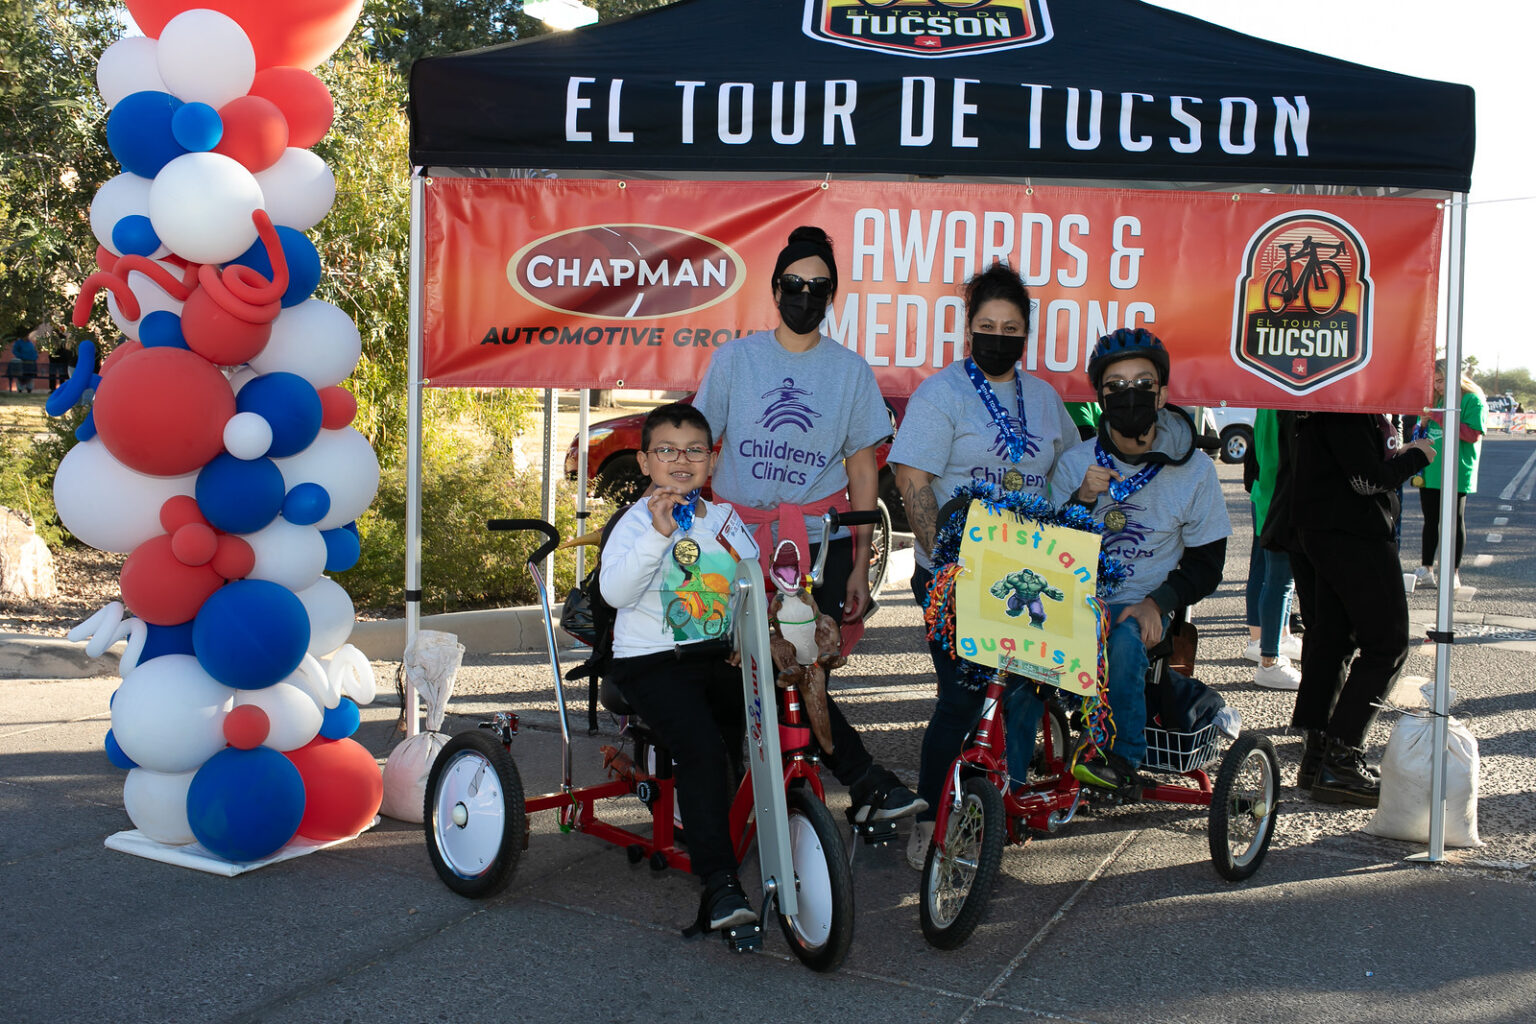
(431, 663)
(1403, 811)
(405, 775)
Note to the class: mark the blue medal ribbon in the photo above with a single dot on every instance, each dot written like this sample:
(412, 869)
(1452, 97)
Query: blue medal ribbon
(1019, 444)
(1119, 490)
(683, 514)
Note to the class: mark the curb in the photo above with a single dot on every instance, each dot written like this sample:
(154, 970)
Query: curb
(27, 656)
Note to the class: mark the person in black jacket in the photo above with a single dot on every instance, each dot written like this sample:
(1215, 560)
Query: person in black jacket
(1346, 471)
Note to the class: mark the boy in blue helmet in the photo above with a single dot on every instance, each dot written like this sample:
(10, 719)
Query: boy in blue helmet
(1164, 518)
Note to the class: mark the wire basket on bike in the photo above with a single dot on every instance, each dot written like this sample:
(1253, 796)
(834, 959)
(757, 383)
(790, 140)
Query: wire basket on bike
(1181, 751)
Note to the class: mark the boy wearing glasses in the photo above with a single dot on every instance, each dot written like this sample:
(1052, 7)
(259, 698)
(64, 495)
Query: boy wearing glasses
(1164, 518)
(667, 568)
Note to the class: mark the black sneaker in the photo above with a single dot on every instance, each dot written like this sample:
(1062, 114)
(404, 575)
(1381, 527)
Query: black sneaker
(880, 796)
(1105, 771)
(725, 904)
(1344, 778)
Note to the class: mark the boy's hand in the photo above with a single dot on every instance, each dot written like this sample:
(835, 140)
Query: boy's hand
(661, 503)
(1149, 617)
(1095, 482)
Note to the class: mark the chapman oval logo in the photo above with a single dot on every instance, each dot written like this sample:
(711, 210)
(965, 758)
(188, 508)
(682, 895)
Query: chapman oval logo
(626, 271)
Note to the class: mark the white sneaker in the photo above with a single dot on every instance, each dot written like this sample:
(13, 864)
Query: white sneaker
(1455, 580)
(1279, 676)
(917, 846)
(1229, 722)
(1424, 576)
(1290, 646)
(1251, 652)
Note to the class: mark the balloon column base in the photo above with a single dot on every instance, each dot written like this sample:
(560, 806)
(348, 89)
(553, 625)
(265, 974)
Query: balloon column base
(195, 856)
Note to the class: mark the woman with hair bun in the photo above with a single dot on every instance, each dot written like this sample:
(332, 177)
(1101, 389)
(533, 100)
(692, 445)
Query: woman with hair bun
(979, 420)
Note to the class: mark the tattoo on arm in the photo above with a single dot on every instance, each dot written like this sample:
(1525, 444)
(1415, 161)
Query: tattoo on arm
(922, 512)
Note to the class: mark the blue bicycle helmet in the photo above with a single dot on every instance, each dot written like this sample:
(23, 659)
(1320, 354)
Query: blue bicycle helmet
(1127, 344)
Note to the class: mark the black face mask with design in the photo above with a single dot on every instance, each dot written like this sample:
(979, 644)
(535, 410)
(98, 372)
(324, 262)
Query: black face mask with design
(996, 354)
(802, 311)
(1131, 412)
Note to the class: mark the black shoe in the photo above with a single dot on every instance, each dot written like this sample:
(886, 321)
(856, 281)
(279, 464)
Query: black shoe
(880, 796)
(1312, 747)
(1105, 771)
(725, 904)
(1344, 778)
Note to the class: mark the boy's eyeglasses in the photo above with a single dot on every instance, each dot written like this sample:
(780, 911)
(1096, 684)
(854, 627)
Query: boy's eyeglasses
(666, 453)
(1118, 385)
(793, 284)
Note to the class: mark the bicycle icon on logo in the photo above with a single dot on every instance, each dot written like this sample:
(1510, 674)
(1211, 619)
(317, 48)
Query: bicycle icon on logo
(1320, 284)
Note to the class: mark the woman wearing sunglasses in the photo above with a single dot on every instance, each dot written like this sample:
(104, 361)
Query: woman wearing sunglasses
(978, 420)
(799, 416)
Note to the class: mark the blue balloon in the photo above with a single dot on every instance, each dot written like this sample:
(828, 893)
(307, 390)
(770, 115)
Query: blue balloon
(243, 805)
(290, 404)
(239, 496)
(139, 132)
(162, 640)
(121, 760)
(250, 634)
(306, 504)
(197, 127)
(134, 235)
(303, 263)
(342, 549)
(340, 721)
(161, 329)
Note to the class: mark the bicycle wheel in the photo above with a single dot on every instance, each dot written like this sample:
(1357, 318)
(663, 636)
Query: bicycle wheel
(1324, 289)
(957, 883)
(1244, 803)
(1061, 736)
(1276, 289)
(879, 549)
(822, 930)
(474, 815)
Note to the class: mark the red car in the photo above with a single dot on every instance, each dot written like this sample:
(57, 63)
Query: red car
(614, 472)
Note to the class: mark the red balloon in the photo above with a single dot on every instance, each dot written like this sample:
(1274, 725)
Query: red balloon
(246, 727)
(255, 132)
(218, 336)
(343, 787)
(106, 259)
(162, 590)
(162, 411)
(194, 544)
(234, 558)
(123, 350)
(304, 100)
(338, 407)
(296, 33)
(178, 511)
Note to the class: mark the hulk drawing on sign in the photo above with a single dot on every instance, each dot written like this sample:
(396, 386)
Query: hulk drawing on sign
(1023, 589)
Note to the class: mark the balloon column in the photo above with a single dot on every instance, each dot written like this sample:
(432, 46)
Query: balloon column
(218, 450)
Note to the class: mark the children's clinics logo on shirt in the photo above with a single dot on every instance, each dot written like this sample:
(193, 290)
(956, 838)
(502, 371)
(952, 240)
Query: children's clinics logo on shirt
(776, 459)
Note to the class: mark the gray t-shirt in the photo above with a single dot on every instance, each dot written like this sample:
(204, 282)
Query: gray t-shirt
(1181, 507)
(788, 420)
(948, 432)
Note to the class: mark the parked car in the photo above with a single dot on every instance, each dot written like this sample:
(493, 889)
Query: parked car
(1234, 426)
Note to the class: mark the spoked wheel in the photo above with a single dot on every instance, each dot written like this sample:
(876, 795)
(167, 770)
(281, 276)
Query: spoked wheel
(1061, 737)
(957, 883)
(1244, 802)
(474, 815)
(821, 932)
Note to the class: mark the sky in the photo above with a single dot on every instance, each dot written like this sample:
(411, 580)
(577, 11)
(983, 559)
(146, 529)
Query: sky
(1482, 43)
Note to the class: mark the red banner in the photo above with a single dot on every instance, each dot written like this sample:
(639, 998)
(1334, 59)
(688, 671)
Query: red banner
(1264, 300)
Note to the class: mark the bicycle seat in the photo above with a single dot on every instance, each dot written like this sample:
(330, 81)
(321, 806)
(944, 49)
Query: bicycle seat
(612, 698)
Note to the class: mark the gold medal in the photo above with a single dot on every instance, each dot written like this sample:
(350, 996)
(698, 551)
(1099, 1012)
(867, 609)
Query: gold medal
(685, 552)
(1013, 480)
(1114, 520)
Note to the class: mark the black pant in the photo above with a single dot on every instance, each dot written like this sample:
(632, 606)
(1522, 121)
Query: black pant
(695, 708)
(1429, 501)
(1352, 588)
(851, 760)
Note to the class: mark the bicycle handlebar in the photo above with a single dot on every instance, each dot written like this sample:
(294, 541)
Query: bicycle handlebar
(835, 519)
(552, 535)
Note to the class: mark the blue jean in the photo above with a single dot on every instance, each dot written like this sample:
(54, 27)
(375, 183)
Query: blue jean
(1270, 587)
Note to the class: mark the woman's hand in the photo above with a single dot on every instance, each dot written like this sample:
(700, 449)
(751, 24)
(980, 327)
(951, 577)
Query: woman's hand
(856, 598)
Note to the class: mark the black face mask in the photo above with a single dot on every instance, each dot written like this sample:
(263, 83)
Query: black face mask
(995, 354)
(802, 311)
(1132, 413)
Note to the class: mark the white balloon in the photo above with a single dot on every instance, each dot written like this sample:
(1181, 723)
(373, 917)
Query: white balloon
(342, 462)
(299, 189)
(350, 669)
(168, 716)
(287, 554)
(151, 298)
(293, 715)
(122, 196)
(128, 66)
(201, 206)
(157, 804)
(315, 340)
(207, 57)
(331, 617)
(247, 435)
(107, 505)
(314, 680)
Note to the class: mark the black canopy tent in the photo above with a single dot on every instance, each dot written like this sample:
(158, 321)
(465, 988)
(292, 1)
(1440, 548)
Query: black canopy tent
(1018, 90)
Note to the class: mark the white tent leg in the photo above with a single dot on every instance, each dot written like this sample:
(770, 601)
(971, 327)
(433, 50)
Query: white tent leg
(583, 426)
(547, 491)
(413, 442)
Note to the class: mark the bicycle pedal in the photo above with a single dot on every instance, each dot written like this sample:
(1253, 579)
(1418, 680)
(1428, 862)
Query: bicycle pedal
(744, 938)
(874, 833)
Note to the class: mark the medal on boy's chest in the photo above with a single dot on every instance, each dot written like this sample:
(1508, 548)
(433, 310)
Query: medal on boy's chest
(1114, 520)
(1013, 480)
(685, 552)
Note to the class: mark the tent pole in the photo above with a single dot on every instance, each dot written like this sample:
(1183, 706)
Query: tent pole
(413, 443)
(583, 426)
(547, 490)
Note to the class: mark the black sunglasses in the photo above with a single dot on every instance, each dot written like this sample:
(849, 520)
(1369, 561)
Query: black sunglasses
(793, 284)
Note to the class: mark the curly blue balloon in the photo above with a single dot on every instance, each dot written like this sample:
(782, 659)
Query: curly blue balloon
(197, 127)
(303, 263)
(139, 132)
(134, 235)
(81, 379)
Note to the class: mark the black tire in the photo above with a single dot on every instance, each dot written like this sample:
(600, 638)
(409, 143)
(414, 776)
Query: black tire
(1275, 287)
(879, 549)
(1061, 736)
(822, 931)
(957, 884)
(1330, 278)
(1244, 803)
(1235, 442)
(620, 480)
(474, 857)
(891, 495)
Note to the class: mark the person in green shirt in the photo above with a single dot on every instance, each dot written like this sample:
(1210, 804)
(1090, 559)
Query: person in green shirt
(1270, 586)
(1472, 408)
